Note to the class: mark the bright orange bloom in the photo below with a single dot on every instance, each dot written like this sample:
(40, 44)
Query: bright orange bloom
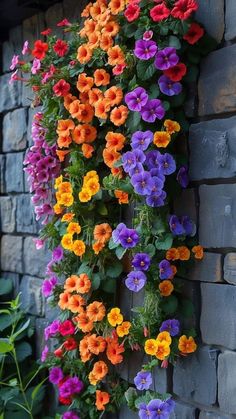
(84, 195)
(102, 398)
(86, 11)
(150, 347)
(67, 199)
(115, 317)
(123, 329)
(123, 197)
(110, 156)
(198, 252)
(73, 228)
(114, 351)
(64, 126)
(71, 283)
(117, 6)
(102, 107)
(184, 253)
(67, 241)
(84, 97)
(115, 140)
(187, 345)
(85, 113)
(115, 56)
(65, 187)
(78, 135)
(96, 311)
(96, 344)
(161, 139)
(102, 232)
(89, 26)
(68, 99)
(64, 142)
(92, 174)
(97, 247)
(94, 39)
(84, 83)
(83, 349)
(163, 350)
(84, 53)
(83, 284)
(89, 133)
(172, 254)
(166, 288)
(117, 171)
(63, 300)
(119, 115)
(171, 126)
(78, 248)
(97, 9)
(100, 370)
(93, 186)
(74, 108)
(164, 337)
(87, 150)
(174, 270)
(76, 303)
(114, 95)
(111, 29)
(57, 209)
(61, 154)
(92, 379)
(101, 77)
(106, 42)
(84, 322)
(95, 95)
(68, 217)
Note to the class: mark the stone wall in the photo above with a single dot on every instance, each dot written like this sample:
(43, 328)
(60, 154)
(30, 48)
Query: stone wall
(204, 385)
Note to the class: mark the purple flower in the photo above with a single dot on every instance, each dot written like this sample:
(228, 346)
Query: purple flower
(165, 270)
(47, 288)
(35, 66)
(169, 87)
(172, 326)
(25, 49)
(44, 353)
(141, 261)
(175, 226)
(135, 281)
(182, 177)
(14, 62)
(166, 58)
(145, 49)
(170, 404)
(142, 183)
(117, 231)
(39, 243)
(158, 184)
(152, 159)
(141, 139)
(137, 169)
(156, 200)
(70, 415)
(143, 380)
(131, 159)
(57, 254)
(167, 164)
(152, 110)
(147, 35)
(158, 409)
(136, 99)
(188, 225)
(144, 412)
(55, 375)
(70, 387)
(54, 327)
(128, 238)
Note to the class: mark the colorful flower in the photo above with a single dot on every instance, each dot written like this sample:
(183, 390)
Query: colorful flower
(143, 380)
(152, 110)
(166, 58)
(144, 50)
(136, 99)
(135, 281)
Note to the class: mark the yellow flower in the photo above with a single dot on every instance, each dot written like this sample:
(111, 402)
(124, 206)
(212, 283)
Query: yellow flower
(73, 228)
(123, 329)
(58, 181)
(161, 139)
(90, 175)
(171, 126)
(114, 317)
(85, 195)
(65, 187)
(66, 199)
(150, 347)
(79, 247)
(57, 209)
(163, 350)
(67, 241)
(164, 337)
(93, 186)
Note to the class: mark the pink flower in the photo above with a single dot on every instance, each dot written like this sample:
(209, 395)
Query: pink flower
(36, 66)
(64, 22)
(39, 243)
(14, 77)
(118, 69)
(25, 49)
(147, 35)
(132, 12)
(14, 62)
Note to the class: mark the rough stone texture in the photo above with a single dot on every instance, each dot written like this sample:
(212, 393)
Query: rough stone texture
(195, 378)
(14, 130)
(213, 149)
(217, 216)
(230, 16)
(25, 217)
(218, 317)
(183, 411)
(10, 93)
(27, 95)
(215, 415)
(32, 27)
(31, 297)
(7, 54)
(35, 260)
(191, 291)
(185, 204)
(160, 380)
(217, 83)
(8, 213)
(12, 46)
(54, 15)
(14, 166)
(226, 382)
(2, 171)
(211, 15)
(209, 269)
(230, 268)
(11, 253)
(126, 413)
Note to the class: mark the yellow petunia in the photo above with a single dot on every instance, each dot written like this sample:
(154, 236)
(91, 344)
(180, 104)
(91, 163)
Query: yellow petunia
(115, 317)
(150, 347)
(67, 241)
(85, 195)
(123, 329)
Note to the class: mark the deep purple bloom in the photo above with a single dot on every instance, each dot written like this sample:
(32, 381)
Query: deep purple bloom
(169, 87)
(131, 159)
(158, 184)
(117, 231)
(145, 50)
(128, 238)
(144, 412)
(182, 177)
(141, 139)
(172, 326)
(143, 380)
(136, 99)
(152, 110)
(45, 353)
(156, 200)
(188, 225)
(135, 281)
(167, 164)
(141, 261)
(165, 270)
(158, 409)
(70, 415)
(55, 375)
(166, 58)
(152, 159)
(57, 254)
(71, 386)
(47, 288)
(142, 183)
(175, 226)
(137, 169)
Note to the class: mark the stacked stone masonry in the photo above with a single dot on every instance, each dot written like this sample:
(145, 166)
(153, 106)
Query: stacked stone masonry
(204, 385)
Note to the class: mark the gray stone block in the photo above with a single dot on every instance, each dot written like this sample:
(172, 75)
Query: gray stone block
(7, 54)
(35, 261)
(230, 268)
(227, 382)
(31, 295)
(32, 27)
(15, 279)
(209, 269)
(215, 415)
(8, 213)
(27, 95)
(217, 82)
(217, 216)
(183, 411)
(10, 96)
(213, 149)
(73, 8)
(186, 204)
(11, 253)
(160, 379)
(11, 47)
(15, 37)
(218, 317)
(14, 130)
(14, 171)
(2, 171)
(54, 15)
(195, 378)
(126, 413)
(211, 15)
(25, 217)
(230, 16)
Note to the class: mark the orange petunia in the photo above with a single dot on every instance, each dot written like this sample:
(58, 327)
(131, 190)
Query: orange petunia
(73, 228)
(97, 9)
(171, 126)
(83, 284)
(117, 171)
(94, 39)
(96, 311)
(100, 370)
(110, 156)
(85, 354)
(115, 140)
(78, 248)
(86, 11)
(114, 351)
(166, 288)
(119, 115)
(64, 142)
(87, 150)
(57, 209)
(84, 97)
(102, 107)
(123, 329)
(172, 254)
(76, 303)
(184, 253)
(68, 217)
(161, 139)
(96, 344)
(114, 95)
(174, 270)
(78, 135)
(84, 83)
(65, 187)
(67, 199)
(84, 323)
(106, 42)
(123, 197)
(102, 232)
(95, 95)
(64, 126)
(102, 398)
(101, 77)
(63, 300)
(84, 195)
(115, 56)
(61, 154)
(89, 26)
(198, 252)
(163, 350)
(97, 247)
(84, 53)
(74, 108)
(68, 99)
(117, 6)
(111, 28)
(71, 283)
(187, 345)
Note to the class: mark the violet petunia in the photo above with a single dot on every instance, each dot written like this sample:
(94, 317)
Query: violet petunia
(182, 177)
(172, 326)
(143, 380)
(45, 353)
(176, 226)
(70, 415)
(144, 412)
(152, 110)
(55, 375)
(145, 49)
(141, 139)
(135, 281)
(116, 233)
(142, 183)
(158, 409)
(167, 164)
(156, 200)
(165, 270)
(131, 158)
(188, 224)
(57, 254)
(166, 58)
(70, 387)
(141, 261)
(136, 99)
(169, 87)
(136, 170)
(128, 238)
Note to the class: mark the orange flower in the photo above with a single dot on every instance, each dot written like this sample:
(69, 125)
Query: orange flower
(97, 247)
(110, 156)
(95, 95)
(89, 26)
(89, 133)
(100, 370)
(117, 171)
(119, 115)
(123, 329)
(73, 228)
(68, 217)
(86, 11)
(64, 126)
(174, 270)
(96, 311)
(68, 99)
(61, 154)
(63, 300)
(84, 83)
(85, 195)
(96, 344)
(65, 187)
(87, 150)
(94, 39)
(83, 284)
(106, 42)
(198, 252)
(70, 284)
(57, 209)
(84, 322)
(102, 232)
(84, 53)
(74, 108)
(114, 351)
(115, 56)
(163, 350)
(114, 95)
(92, 379)
(164, 337)
(123, 197)
(166, 288)
(187, 345)
(84, 97)
(161, 139)
(85, 113)
(150, 346)
(76, 303)
(102, 107)
(78, 135)
(101, 77)
(78, 247)
(97, 9)
(64, 142)
(111, 29)
(93, 186)
(184, 253)
(172, 254)
(66, 199)
(115, 140)
(83, 349)
(117, 6)
(102, 398)
(171, 126)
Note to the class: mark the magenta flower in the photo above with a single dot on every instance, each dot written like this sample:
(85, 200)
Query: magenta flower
(55, 375)
(70, 387)
(25, 49)
(169, 87)
(153, 110)
(35, 66)
(166, 58)
(45, 353)
(148, 35)
(14, 62)
(135, 281)
(70, 415)
(144, 50)
(57, 254)
(136, 99)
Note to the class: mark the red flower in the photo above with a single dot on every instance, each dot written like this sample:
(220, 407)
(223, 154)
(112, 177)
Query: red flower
(46, 32)
(159, 13)
(64, 22)
(61, 88)
(66, 328)
(177, 72)
(70, 344)
(40, 49)
(58, 353)
(132, 12)
(184, 8)
(60, 47)
(194, 33)
(65, 400)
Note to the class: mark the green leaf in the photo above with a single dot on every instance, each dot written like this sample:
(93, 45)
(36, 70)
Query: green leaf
(22, 328)
(178, 100)
(130, 396)
(165, 243)
(37, 388)
(96, 280)
(170, 304)
(186, 308)
(5, 346)
(150, 250)
(5, 286)
(5, 321)
(84, 269)
(114, 270)
(23, 350)
(133, 120)
(145, 69)
(109, 285)
(159, 226)
(112, 245)
(174, 42)
(102, 209)
(154, 91)
(120, 252)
